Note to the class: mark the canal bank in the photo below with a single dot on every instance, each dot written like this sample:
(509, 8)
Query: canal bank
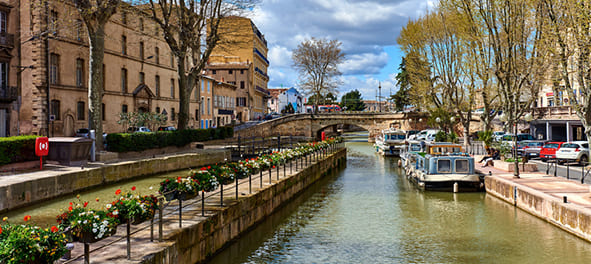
(200, 241)
(30, 188)
(563, 203)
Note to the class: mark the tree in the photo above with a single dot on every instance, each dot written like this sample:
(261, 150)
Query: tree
(401, 97)
(316, 61)
(352, 101)
(191, 30)
(569, 22)
(95, 14)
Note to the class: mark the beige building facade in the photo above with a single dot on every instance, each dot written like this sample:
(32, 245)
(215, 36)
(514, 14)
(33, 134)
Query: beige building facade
(140, 71)
(242, 42)
(10, 68)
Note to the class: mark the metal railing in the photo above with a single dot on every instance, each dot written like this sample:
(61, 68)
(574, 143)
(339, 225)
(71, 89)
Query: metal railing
(552, 169)
(176, 206)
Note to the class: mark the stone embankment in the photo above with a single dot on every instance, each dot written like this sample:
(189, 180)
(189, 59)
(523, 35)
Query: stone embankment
(29, 188)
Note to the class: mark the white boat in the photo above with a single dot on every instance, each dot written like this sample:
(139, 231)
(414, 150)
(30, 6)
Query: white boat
(390, 142)
(443, 167)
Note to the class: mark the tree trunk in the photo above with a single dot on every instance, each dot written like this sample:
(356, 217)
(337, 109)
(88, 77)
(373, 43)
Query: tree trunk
(95, 82)
(184, 96)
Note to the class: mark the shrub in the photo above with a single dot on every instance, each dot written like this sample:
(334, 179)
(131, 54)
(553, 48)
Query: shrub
(17, 149)
(123, 142)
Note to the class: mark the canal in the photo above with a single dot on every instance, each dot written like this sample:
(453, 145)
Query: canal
(369, 213)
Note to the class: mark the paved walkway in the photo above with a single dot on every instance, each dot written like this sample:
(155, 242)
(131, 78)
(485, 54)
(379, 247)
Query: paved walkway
(558, 187)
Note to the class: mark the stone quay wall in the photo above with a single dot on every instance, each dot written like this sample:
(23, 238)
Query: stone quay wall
(33, 189)
(198, 242)
(570, 217)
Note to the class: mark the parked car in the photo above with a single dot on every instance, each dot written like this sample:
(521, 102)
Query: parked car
(509, 138)
(167, 128)
(549, 149)
(498, 135)
(85, 132)
(411, 133)
(530, 148)
(574, 151)
(426, 135)
(138, 129)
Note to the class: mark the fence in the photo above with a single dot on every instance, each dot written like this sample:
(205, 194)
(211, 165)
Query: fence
(552, 169)
(217, 197)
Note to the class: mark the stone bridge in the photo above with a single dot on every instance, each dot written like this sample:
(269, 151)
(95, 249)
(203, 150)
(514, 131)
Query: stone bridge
(311, 125)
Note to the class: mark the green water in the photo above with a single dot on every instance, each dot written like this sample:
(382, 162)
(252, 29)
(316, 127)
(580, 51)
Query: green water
(369, 213)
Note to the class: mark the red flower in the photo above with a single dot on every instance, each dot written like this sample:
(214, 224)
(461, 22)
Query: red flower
(208, 167)
(97, 199)
(273, 166)
(27, 218)
(85, 204)
(118, 191)
(203, 168)
(70, 208)
(71, 204)
(54, 229)
(133, 188)
(0, 230)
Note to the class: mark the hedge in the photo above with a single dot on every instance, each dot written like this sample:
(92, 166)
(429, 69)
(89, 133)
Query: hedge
(17, 149)
(123, 142)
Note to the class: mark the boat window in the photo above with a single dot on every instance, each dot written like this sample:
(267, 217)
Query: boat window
(443, 166)
(462, 166)
(400, 136)
(415, 147)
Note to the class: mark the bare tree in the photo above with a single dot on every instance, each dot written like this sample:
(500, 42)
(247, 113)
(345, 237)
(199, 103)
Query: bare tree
(569, 22)
(317, 62)
(95, 14)
(190, 29)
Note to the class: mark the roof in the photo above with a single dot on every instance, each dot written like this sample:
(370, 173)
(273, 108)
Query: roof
(276, 92)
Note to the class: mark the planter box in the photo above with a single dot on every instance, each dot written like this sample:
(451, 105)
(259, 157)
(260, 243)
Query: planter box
(510, 166)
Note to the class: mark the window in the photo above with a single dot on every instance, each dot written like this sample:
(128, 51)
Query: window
(241, 101)
(103, 111)
(55, 109)
(241, 71)
(124, 108)
(124, 45)
(213, 72)
(202, 85)
(208, 106)
(171, 59)
(124, 80)
(142, 77)
(201, 105)
(230, 71)
(241, 84)
(142, 50)
(104, 74)
(79, 72)
(124, 17)
(444, 166)
(172, 88)
(79, 29)
(157, 110)
(53, 22)
(3, 19)
(157, 80)
(157, 55)
(54, 68)
(141, 24)
(80, 110)
(462, 166)
(3, 74)
(208, 86)
(172, 114)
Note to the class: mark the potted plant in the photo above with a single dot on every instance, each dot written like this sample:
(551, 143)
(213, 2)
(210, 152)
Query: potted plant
(87, 225)
(187, 188)
(26, 243)
(168, 188)
(206, 181)
(133, 207)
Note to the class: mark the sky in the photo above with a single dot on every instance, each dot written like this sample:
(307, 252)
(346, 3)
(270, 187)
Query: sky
(367, 30)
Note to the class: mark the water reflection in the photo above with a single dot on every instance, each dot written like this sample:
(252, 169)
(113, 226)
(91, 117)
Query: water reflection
(369, 213)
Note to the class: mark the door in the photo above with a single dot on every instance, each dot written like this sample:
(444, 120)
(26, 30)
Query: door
(69, 126)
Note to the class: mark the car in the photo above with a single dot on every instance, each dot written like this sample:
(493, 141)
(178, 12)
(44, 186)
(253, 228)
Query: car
(411, 133)
(549, 149)
(498, 135)
(85, 133)
(510, 138)
(530, 148)
(167, 128)
(138, 129)
(574, 151)
(426, 135)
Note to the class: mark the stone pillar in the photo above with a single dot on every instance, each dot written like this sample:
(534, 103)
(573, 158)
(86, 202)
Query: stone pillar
(569, 132)
(548, 131)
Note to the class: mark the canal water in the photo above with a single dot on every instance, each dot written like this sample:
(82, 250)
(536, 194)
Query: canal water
(369, 213)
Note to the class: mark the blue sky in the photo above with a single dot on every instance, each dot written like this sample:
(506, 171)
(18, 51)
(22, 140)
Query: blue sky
(367, 29)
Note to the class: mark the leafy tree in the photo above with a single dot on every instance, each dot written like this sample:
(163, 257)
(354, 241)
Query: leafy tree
(288, 109)
(401, 98)
(317, 62)
(352, 101)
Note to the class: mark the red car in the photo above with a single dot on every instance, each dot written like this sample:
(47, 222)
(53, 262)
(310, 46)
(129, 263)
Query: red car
(549, 150)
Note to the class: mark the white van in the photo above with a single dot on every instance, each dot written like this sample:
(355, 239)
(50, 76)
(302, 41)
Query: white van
(427, 135)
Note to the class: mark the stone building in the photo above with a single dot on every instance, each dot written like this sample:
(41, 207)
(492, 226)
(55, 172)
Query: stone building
(140, 71)
(10, 68)
(242, 44)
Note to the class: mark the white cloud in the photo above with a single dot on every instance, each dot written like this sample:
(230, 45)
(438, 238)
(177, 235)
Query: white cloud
(364, 27)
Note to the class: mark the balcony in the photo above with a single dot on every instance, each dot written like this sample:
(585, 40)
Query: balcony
(7, 40)
(257, 52)
(555, 112)
(261, 72)
(262, 90)
(8, 93)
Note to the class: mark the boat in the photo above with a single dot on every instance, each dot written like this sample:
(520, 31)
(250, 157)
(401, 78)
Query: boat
(390, 142)
(409, 151)
(443, 167)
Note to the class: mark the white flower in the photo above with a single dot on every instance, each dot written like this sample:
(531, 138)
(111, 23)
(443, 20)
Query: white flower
(109, 206)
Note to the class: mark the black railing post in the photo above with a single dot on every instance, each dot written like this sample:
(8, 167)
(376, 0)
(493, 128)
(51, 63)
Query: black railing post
(567, 171)
(261, 176)
(555, 167)
(547, 167)
(236, 176)
(253, 139)
(221, 194)
(180, 212)
(128, 238)
(270, 167)
(202, 202)
(239, 151)
(160, 218)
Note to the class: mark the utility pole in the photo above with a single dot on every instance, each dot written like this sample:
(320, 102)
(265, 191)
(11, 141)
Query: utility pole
(380, 96)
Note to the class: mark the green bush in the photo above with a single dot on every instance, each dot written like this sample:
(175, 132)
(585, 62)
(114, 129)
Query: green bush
(123, 142)
(17, 149)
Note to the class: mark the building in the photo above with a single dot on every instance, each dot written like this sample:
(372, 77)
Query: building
(10, 68)
(381, 106)
(224, 103)
(282, 97)
(140, 70)
(232, 71)
(242, 43)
